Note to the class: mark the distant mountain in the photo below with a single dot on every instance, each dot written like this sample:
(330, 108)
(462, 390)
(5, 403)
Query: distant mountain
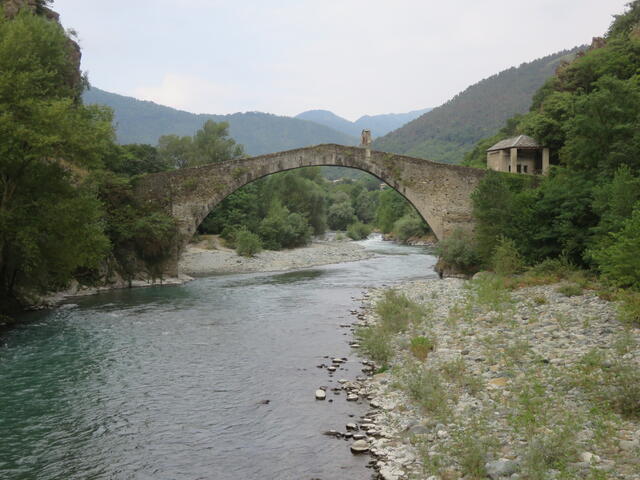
(446, 133)
(140, 121)
(378, 124)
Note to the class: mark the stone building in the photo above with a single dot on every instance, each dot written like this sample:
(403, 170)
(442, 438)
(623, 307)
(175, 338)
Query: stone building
(521, 154)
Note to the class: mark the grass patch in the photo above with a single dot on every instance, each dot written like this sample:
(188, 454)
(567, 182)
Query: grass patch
(426, 388)
(491, 292)
(553, 449)
(540, 300)
(375, 343)
(570, 290)
(611, 385)
(455, 371)
(397, 312)
(420, 347)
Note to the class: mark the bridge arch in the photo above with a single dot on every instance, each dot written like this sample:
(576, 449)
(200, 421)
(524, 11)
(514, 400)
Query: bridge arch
(439, 192)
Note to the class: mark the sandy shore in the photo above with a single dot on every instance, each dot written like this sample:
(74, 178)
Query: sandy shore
(198, 260)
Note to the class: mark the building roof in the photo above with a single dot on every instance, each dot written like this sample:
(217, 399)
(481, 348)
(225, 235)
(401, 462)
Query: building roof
(521, 141)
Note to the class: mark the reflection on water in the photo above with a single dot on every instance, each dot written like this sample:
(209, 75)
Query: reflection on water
(171, 382)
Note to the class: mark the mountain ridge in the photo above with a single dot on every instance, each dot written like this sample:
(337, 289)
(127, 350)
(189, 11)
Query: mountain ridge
(143, 121)
(449, 131)
(378, 124)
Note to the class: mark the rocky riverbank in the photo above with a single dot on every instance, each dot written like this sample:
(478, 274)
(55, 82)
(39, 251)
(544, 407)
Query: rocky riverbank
(537, 383)
(209, 257)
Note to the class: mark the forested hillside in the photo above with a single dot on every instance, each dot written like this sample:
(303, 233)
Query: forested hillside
(140, 121)
(378, 124)
(587, 211)
(446, 133)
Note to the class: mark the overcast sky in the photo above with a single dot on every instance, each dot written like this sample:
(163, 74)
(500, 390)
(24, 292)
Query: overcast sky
(352, 57)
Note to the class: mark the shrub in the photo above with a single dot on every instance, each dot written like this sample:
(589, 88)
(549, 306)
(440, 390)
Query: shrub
(506, 258)
(247, 243)
(459, 251)
(341, 215)
(619, 262)
(410, 225)
(420, 347)
(358, 231)
(282, 229)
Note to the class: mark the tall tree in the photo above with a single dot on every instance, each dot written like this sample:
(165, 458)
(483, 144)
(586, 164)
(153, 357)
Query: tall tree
(50, 225)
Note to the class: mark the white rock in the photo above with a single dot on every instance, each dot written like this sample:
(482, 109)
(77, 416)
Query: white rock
(588, 457)
(352, 397)
(360, 446)
(321, 394)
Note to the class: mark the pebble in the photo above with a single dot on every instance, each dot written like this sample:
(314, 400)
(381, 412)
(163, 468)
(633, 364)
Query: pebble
(321, 394)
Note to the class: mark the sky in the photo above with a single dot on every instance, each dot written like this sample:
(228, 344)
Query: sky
(353, 57)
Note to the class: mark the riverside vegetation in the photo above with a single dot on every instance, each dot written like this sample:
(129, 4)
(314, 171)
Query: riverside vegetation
(587, 211)
(67, 209)
(502, 377)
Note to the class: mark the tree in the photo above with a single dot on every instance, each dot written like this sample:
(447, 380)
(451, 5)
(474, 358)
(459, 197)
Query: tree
(176, 151)
(210, 144)
(50, 223)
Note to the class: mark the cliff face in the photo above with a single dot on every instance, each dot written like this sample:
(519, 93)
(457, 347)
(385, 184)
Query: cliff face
(11, 9)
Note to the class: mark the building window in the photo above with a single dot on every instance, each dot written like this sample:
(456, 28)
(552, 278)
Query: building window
(519, 168)
(525, 168)
(509, 167)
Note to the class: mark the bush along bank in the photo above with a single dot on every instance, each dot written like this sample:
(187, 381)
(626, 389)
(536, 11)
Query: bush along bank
(491, 378)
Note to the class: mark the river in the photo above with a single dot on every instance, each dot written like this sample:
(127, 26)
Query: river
(171, 382)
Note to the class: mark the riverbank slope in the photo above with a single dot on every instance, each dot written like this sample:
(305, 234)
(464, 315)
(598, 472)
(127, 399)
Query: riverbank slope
(538, 382)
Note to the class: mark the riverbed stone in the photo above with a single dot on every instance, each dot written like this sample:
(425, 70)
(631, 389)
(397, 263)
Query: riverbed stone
(360, 446)
(501, 468)
(320, 394)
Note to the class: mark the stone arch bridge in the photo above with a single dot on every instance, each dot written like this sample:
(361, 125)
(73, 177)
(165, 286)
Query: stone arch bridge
(439, 192)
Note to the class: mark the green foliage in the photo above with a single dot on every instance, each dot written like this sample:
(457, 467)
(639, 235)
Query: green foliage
(391, 207)
(131, 160)
(448, 132)
(459, 251)
(619, 261)
(409, 226)
(358, 231)
(210, 144)
(341, 214)
(588, 115)
(629, 308)
(135, 230)
(50, 221)
(247, 243)
(283, 229)
(506, 258)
